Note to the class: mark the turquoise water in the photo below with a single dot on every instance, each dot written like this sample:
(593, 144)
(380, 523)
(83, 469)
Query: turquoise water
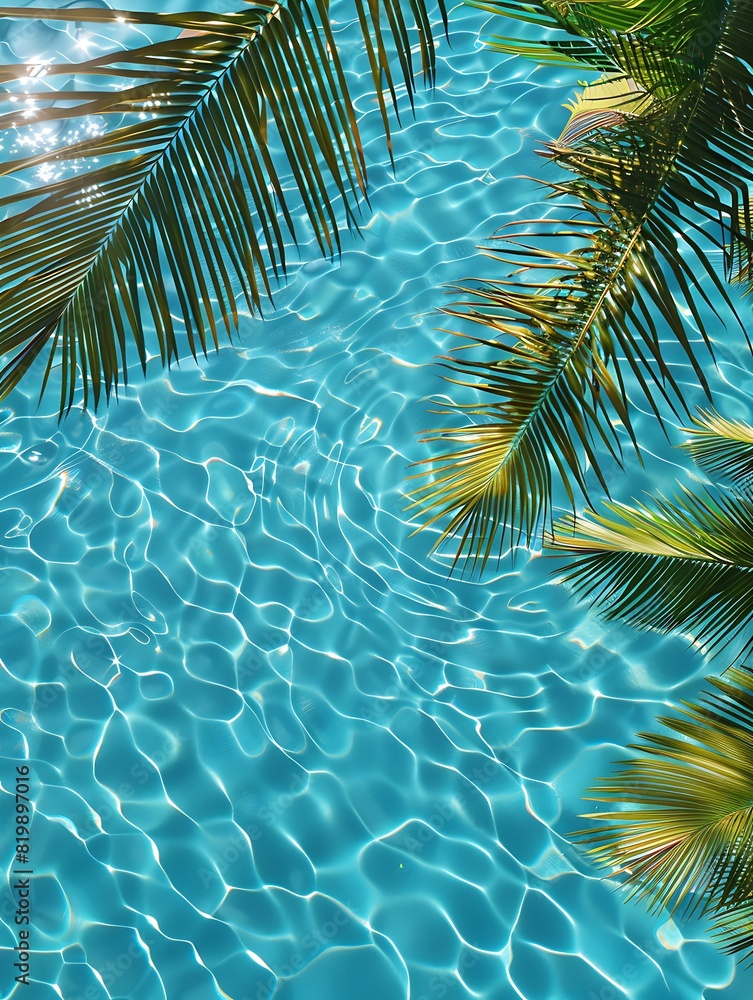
(276, 752)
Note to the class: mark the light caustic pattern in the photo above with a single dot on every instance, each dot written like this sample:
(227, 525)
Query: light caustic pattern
(276, 752)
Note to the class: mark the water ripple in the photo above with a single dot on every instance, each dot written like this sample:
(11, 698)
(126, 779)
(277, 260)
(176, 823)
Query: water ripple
(277, 752)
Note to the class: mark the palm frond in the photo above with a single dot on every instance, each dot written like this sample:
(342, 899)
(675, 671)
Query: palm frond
(683, 822)
(181, 189)
(651, 184)
(684, 565)
(724, 448)
(599, 27)
(605, 104)
(738, 257)
(734, 930)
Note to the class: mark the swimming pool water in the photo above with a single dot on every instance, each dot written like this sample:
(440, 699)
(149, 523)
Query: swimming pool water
(276, 751)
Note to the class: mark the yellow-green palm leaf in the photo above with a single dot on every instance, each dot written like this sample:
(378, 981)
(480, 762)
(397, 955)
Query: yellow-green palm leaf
(684, 565)
(591, 292)
(684, 818)
(724, 448)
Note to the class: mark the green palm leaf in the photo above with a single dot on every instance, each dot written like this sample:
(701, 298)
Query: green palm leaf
(593, 296)
(734, 930)
(599, 28)
(182, 191)
(684, 822)
(685, 565)
(724, 448)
